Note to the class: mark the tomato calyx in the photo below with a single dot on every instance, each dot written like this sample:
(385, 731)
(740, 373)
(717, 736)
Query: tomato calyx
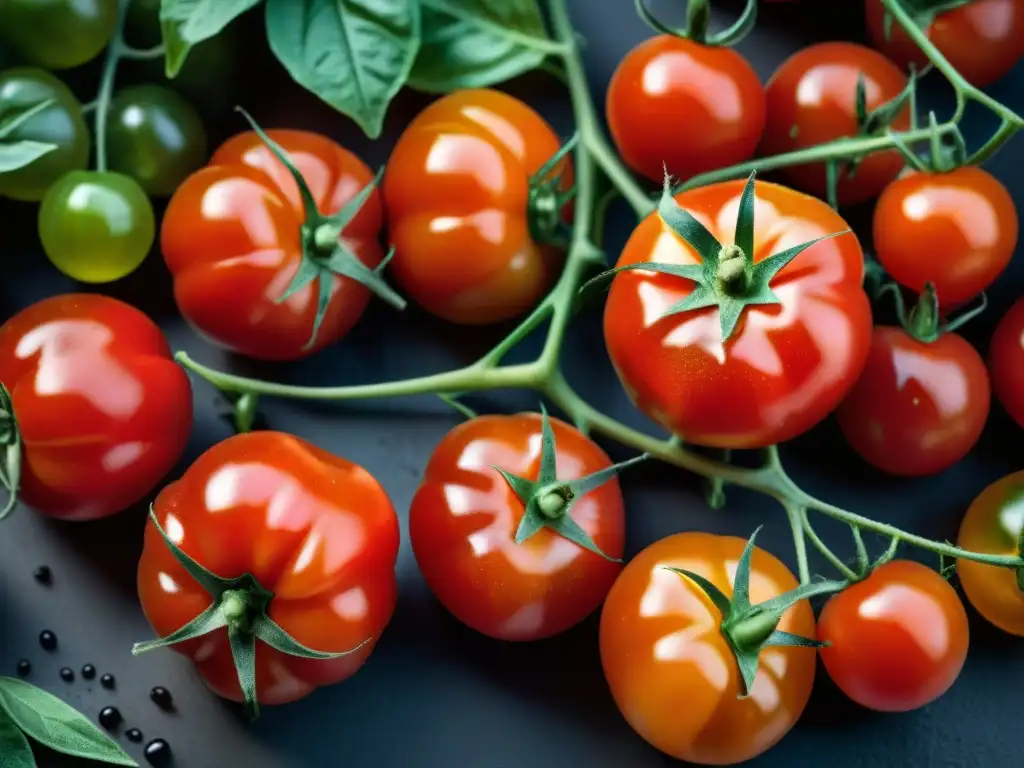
(942, 157)
(698, 19)
(243, 411)
(546, 199)
(240, 606)
(923, 12)
(10, 443)
(924, 322)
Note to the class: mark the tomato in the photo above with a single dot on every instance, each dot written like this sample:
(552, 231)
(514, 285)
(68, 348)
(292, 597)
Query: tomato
(232, 239)
(96, 226)
(668, 78)
(956, 230)
(61, 124)
(58, 34)
(918, 408)
(314, 529)
(458, 197)
(897, 639)
(463, 524)
(154, 136)
(982, 39)
(1006, 361)
(670, 669)
(104, 412)
(812, 100)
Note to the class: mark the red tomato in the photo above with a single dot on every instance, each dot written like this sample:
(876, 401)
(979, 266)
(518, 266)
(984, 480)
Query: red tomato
(785, 367)
(104, 412)
(232, 238)
(458, 197)
(316, 530)
(898, 639)
(670, 669)
(1006, 361)
(464, 519)
(956, 230)
(691, 107)
(812, 100)
(982, 39)
(918, 408)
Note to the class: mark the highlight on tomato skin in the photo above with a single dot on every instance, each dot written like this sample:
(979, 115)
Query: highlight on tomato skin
(1006, 361)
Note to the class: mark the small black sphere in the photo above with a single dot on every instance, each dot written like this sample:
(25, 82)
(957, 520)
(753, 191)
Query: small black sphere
(43, 575)
(67, 674)
(48, 640)
(158, 752)
(162, 698)
(89, 672)
(110, 718)
(134, 735)
(24, 668)
(108, 681)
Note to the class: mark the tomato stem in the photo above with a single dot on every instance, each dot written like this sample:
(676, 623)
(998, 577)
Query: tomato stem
(115, 51)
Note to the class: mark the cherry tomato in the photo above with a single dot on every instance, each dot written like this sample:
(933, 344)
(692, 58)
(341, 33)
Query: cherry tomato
(785, 367)
(457, 192)
(956, 230)
(58, 34)
(104, 412)
(314, 529)
(464, 519)
(1006, 361)
(982, 39)
(670, 669)
(61, 123)
(812, 100)
(897, 639)
(918, 408)
(96, 226)
(668, 79)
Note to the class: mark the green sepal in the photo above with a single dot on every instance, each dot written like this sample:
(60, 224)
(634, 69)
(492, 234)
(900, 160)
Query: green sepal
(715, 595)
(213, 584)
(548, 451)
(243, 654)
(344, 215)
(885, 114)
(698, 17)
(271, 633)
(10, 444)
(922, 12)
(924, 322)
(208, 621)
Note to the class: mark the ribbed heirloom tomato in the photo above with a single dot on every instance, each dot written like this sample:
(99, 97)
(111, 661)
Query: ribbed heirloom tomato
(1006, 361)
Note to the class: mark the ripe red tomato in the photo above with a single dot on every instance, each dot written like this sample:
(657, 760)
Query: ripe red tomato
(670, 669)
(1006, 361)
(686, 106)
(464, 519)
(458, 195)
(956, 230)
(232, 239)
(103, 411)
(982, 39)
(314, 529)
(918, 408)
(812, 100)
(897, 640)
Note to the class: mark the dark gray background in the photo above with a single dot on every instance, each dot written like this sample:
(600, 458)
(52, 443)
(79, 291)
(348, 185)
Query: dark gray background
(433, 693)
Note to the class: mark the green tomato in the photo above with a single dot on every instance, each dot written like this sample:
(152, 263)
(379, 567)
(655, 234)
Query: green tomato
(61, 124)
(58, 34)
(96, 226)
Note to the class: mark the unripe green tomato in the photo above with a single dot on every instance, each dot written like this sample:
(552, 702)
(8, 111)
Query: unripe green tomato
(96, 226)
(61, 123)
(58, 34)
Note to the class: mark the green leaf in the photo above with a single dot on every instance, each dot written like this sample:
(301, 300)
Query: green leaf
(548, 452)
(197, 20)
(18, 154)
(208, 580)
(10, 458)
(15, 751)
(243, 653)
(10, 124)
(176, 50)
(56, 725)
(353, 54)
(717, 596)
(206, 622)
(271, 633)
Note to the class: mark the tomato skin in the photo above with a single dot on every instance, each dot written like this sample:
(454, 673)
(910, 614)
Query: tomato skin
(231, 239)
(103, 409)
(464, 518)
(812, 100)
(456, 190)
(784, 368)
(1006, 361)
(666, 77)
(917, 408)
(58, 34)
(669, 668)
(316, 530)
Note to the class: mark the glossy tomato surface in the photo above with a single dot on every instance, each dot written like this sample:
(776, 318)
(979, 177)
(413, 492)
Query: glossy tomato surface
(457, 192)
(812, 100)
(785, 366)
(58, 34)
(897, 640)
(104, 411)
(231, 237)
(316, 530)
(918, 408)
(670, 669)
(464, 518)
(684, 107)
(1006, 361)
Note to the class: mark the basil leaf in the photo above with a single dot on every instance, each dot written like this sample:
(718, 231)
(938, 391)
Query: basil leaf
(18, 154)
(54, 724)
(15, 751)
(176, 50)
(199, 19)
(353, 54)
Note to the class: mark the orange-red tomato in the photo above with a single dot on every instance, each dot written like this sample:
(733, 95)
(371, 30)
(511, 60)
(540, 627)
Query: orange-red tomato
(785, 367)
(812, 100)
(897, 640)
(316, 530)
(683, 106)
(103, 410)
(670, 669)
(1006, 361)
(464, 518)
(232, 239)
(457, 190)
(956, 230)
